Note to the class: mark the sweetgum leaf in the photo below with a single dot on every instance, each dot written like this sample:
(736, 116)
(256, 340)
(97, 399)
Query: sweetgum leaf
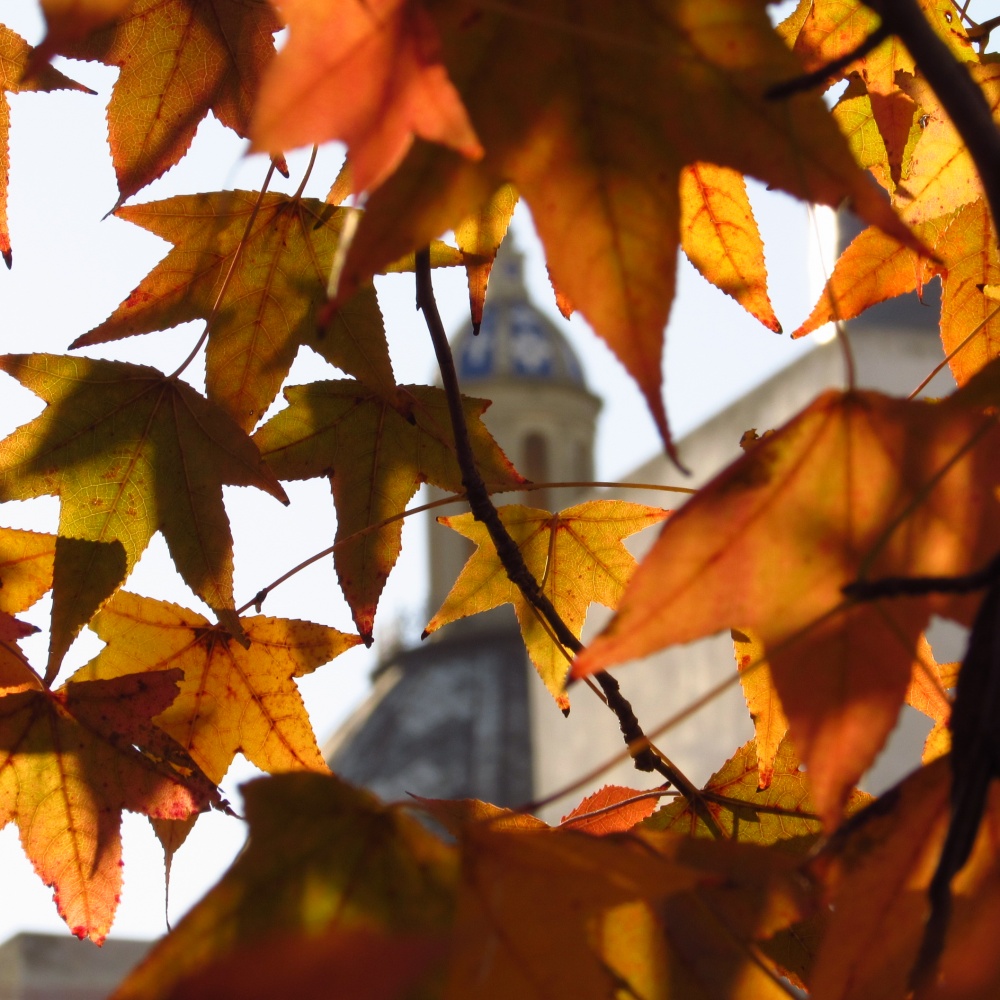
(70, 761)
(577, 557)
(129, 452)
(375, 451)
(15, 56)
(26, 561)
(271, 303)
(856, 485)
(593, 116)
(231, 700)
(179, 59)
(322, 859)
(385, 55)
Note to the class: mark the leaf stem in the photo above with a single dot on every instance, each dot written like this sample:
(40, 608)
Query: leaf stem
(641, 750)
(229, 275)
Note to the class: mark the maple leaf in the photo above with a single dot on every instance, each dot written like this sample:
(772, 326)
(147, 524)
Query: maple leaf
(129, 452)
(368, 73)
(856, 485)
(821, 31)
(577, 557)
(479, 237)
(179, 59)
(660, 86)
(15, 55)
(720, 237)
(269, 307)
(375, 450)
(780, 814)
(69, 765)
(769, 722)
(875, 268)
(322, 858)
(231, 699)
(611, 809)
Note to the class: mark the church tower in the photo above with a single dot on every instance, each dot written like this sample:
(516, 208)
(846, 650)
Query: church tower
(452, 717)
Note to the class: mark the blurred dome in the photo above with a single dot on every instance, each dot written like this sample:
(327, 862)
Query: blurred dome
(516, 340)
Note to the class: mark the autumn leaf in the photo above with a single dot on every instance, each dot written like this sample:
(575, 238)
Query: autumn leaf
(178, 60)
(856, 485)
(928, 693)
(660, 86)
(231, 699)
(479, 238)
(129, 452)
(720, 237)
(70, 761)
(368, 73)
(323, 859)
(611, 809)
(15, 55)
(268, 308)
(577, 557)
(769, 722)
(781, 814)
(875, 268)
(26, 560)
(376, 451)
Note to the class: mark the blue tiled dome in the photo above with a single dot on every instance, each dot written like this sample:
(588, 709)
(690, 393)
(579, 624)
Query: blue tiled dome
(515, 340)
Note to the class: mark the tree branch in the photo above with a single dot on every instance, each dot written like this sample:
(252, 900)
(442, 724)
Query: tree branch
(643, 755)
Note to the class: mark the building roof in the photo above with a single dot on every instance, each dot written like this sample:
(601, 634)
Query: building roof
(516, 339)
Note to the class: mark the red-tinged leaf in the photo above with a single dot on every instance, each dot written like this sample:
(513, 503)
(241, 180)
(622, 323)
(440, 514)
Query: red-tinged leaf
(611, 809)
(179, 59)
(271, 301)
(769, 722)
(659, 86)
(367, 73)
(479, 237)
(577, 556)
(11, 629)
(720, 237)
(376, 452)
(15, 55)
(856, 484)
(129, 452)
(69, 765)
(324, 862)
(231, 700)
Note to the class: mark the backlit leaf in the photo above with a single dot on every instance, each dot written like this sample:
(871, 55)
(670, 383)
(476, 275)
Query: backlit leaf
(368, 73)
(577, 557)
(130, 452)
(611, 809)
(69, 766)
(376, 451)
(231, 699)
(26, 560)
(856, 485)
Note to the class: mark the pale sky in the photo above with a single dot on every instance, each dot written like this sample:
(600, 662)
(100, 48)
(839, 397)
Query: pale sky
(72, 268)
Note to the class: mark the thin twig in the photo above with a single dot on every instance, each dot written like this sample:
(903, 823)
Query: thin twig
(483, 510)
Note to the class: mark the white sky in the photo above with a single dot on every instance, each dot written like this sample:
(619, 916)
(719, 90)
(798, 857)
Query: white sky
(72, 268)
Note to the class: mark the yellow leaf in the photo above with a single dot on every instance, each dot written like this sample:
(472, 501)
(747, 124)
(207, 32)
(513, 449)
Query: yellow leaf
(577, 557)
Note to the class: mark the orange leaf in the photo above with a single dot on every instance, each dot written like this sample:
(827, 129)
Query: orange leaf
(129, 452)
(769, 722)
(367, 72)
(858, 484)
(26, 560)
(69, 764)
(663, 85)
(611, 809)
(179, 59)
(15, 55)
(928, 694)
(720, 236)
(231, 700)
(577, 557)
(376, 451)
